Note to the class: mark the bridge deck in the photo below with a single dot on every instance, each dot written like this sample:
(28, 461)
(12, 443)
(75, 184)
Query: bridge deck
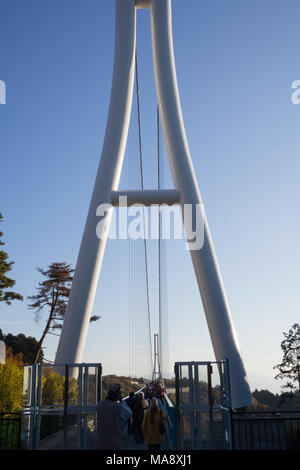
(130, 444)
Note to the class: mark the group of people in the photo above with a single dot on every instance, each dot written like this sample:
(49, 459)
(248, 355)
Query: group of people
(140, 414)
(154, 389)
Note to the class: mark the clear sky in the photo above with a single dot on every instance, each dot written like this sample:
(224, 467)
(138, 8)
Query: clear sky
(236, 61)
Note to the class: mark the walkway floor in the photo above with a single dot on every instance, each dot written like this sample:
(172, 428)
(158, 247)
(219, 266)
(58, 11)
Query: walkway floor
(130, 444)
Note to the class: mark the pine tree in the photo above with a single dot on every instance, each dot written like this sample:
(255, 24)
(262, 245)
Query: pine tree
(289, 368)
(53, 294)
(5, 282)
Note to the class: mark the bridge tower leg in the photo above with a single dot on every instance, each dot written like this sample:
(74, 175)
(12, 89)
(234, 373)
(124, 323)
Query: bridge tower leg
(87, 270)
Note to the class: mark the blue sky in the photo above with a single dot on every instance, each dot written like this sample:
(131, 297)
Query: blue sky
(235, 63)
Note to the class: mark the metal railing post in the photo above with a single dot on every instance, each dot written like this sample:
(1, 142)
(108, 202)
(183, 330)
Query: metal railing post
(66, 397)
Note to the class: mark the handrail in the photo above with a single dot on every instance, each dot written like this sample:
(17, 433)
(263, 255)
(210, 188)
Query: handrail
(171, 426)
(272, 412)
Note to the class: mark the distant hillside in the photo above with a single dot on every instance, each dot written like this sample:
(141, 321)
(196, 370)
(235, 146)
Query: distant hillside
(127, 384)
(268, 401)
(263, 400)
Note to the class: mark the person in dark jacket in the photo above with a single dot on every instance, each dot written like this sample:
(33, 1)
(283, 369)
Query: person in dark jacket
(138, 416)
(110, 414)
(130, 401)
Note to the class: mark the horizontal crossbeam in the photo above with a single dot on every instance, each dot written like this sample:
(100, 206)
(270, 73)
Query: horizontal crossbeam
(146, 197)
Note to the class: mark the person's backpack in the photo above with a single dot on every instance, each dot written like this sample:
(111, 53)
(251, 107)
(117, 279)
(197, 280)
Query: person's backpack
(161, 425)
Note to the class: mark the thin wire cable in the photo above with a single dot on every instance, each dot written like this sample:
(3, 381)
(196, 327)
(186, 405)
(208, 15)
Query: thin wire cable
(163, 344)
(142, 186)
(130, 266)
(159, 246)
(158, 150)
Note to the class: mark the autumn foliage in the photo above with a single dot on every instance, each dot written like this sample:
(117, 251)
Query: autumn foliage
(11, 383)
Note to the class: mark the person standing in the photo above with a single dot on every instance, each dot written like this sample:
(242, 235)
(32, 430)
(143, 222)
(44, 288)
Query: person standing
(130, 401)
(151, 425)
(110, 414)
(138, 415)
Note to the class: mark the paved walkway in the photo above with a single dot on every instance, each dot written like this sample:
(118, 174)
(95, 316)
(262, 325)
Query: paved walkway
(129, 444)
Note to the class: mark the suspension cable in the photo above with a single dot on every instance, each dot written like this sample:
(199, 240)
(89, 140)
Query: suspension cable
(163, 345)
(159, 242)
(158, 150)
(130, 274)
(142, 186)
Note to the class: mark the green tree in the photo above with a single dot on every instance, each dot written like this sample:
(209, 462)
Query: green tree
(289, 368)
(53, 388)
(52, 296)
(5, 282)
(22, 344)
(267, 398)
(11, 383)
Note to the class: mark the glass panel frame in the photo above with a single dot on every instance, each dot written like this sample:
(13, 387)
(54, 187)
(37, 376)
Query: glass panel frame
(52, 396)
(204, 407)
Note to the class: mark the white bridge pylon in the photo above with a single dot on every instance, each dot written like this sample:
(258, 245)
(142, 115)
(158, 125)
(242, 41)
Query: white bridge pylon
(215, 304)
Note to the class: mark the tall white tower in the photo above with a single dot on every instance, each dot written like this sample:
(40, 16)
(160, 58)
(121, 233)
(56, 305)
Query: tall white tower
(186, 192)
